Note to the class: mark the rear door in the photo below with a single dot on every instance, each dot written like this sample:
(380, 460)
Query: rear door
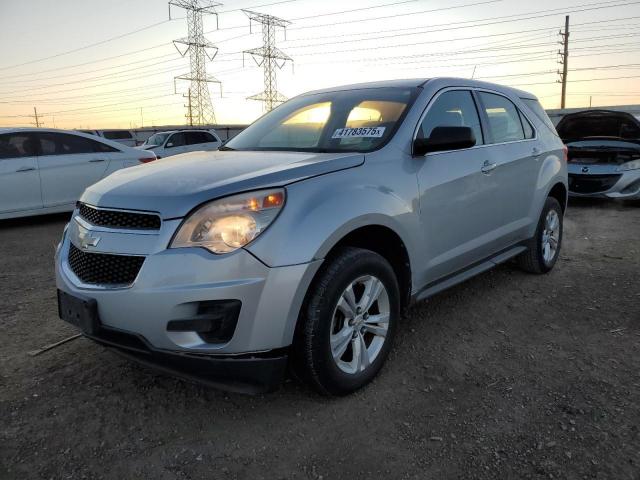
(68, 164)
(514, 158)
(19, 177)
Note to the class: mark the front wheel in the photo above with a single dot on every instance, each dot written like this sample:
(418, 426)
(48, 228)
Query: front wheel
(544, 247)
(348, 322)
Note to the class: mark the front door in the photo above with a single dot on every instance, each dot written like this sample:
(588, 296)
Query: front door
(460, 207)
(19, 177)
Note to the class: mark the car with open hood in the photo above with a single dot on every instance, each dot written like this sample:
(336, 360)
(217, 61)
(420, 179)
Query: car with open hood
(298, 244)
(604, 153)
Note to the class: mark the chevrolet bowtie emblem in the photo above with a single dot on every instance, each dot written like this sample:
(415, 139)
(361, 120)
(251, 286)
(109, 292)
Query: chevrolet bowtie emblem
(87, 239)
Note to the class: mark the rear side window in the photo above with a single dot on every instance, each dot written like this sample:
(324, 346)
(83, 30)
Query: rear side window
(503, 117)
(535, 106)
(65, 144)
(455, 108)
(117, 134)
(193, 138)
(17, 145)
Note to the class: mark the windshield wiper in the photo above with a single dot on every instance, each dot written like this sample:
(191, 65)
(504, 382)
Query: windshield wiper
(225, 148)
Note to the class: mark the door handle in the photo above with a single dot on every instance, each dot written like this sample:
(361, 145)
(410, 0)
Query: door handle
(535, 152)
(488, 167)
(25, 169)
(96, 160)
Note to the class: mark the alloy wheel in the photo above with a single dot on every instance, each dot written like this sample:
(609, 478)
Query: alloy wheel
(360, 324)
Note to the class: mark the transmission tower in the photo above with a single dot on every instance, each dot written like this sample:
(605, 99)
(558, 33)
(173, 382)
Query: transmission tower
(199, 50)
(269, 57)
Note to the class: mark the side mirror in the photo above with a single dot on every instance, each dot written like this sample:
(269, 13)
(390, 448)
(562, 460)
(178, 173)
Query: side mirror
(169, 145)
(445, 138)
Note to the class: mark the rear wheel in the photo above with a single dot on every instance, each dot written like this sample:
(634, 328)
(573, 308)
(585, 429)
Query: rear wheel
(348, 322)
(544, 247)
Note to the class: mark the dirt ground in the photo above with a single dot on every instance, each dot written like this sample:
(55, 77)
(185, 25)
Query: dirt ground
(509, 375)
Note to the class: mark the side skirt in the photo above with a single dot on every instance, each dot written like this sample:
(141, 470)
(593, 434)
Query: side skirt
(471, 271)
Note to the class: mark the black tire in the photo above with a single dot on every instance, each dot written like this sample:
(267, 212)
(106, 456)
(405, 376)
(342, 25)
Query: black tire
(533, 259)
(312, 359)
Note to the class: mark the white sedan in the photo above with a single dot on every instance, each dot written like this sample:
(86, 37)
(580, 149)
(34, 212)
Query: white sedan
(46, 170)
(174, 142)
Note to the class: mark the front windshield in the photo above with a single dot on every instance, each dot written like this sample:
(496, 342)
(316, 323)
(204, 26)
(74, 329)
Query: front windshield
(156, 139)
(350, 120)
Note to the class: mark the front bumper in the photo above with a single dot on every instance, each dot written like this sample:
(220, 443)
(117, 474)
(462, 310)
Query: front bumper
(173, 283)
(254, 373)
(607, 182)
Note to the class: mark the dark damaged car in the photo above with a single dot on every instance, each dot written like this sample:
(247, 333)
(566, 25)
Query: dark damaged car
(604, 153)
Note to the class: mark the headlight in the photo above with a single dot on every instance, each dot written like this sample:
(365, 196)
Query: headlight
(632, 165)
(225, 225)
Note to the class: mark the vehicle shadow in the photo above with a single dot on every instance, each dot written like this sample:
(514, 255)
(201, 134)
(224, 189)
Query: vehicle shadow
(587, 202)
(36, 220)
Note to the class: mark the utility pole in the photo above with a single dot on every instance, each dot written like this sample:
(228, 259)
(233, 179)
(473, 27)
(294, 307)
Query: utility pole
(564, 61)
(141, 119)
(199, 50)
(189, 114)
(37, 119)
(269, 57)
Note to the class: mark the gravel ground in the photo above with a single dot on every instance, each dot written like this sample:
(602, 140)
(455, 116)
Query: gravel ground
(508, 375)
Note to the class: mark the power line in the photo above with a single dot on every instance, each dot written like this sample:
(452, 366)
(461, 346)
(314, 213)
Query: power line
(102, 42)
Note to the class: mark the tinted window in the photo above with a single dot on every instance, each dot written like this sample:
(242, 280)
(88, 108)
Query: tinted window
(156, 139)
(528, 129)
(66, 144)
(177, 140)
(452, 109)
(504, 118)
(117, 134)
(198, 137)
(358, 120)
(535, 106)
(16, 145)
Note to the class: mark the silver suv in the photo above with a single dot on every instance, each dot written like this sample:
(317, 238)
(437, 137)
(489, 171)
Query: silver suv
(299, 244)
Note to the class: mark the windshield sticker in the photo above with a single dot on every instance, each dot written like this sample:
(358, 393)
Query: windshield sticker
(365, 132)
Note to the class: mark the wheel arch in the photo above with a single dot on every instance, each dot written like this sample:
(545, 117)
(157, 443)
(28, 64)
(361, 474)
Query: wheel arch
(387, 243)
(559, 192)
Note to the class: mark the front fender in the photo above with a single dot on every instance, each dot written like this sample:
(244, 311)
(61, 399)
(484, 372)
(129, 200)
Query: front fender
(321, 211)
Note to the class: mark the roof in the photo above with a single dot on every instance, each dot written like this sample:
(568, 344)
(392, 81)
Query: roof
(421, 82)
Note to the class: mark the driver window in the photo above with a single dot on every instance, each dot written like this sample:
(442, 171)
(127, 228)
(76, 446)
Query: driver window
(455, 108)
(177, 140)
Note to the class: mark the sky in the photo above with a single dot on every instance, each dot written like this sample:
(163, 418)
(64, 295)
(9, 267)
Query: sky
(112, 64)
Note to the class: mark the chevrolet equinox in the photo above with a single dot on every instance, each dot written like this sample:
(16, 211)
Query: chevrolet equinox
(297, 246)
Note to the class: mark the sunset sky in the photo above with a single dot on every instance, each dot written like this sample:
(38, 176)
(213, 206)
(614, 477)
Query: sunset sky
(78, 63)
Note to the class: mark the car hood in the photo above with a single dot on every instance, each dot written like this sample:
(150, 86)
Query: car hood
(175, 185)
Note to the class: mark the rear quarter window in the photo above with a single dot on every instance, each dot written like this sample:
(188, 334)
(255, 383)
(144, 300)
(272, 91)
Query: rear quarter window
(535, 106)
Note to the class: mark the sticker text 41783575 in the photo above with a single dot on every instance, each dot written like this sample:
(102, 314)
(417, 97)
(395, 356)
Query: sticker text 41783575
(364, 132)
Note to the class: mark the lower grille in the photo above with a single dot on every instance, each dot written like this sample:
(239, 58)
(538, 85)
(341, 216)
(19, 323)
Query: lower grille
(104, 269)
(591, 183)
